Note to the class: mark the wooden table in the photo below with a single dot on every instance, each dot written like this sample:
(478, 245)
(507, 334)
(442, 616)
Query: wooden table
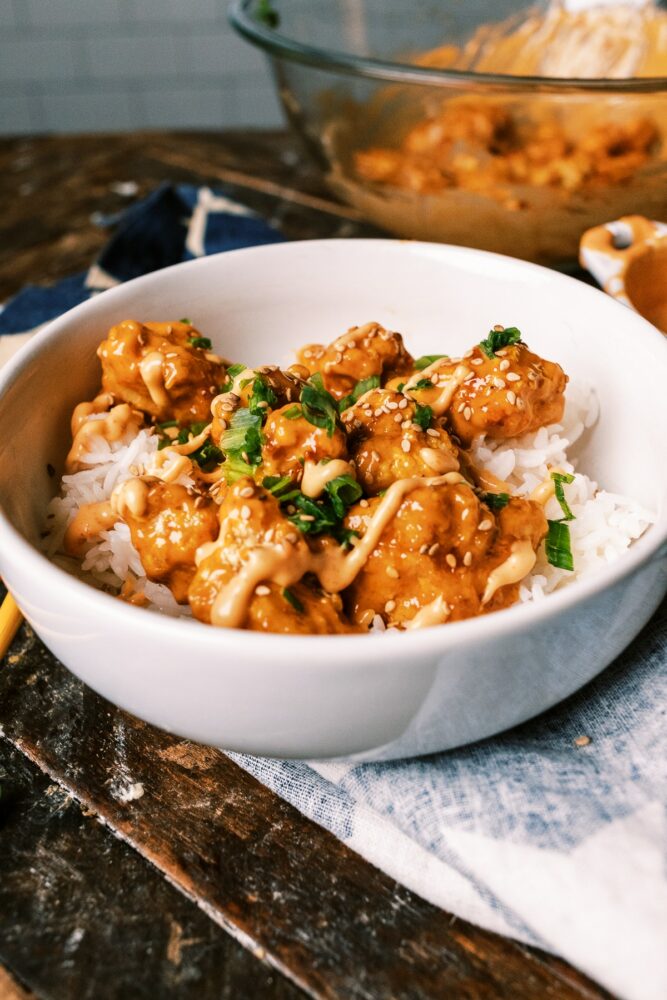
(207, 886)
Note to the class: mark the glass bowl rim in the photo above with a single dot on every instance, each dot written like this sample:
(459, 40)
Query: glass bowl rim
(276, 44)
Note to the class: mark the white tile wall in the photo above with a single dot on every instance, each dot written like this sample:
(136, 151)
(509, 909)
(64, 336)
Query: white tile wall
(97, 65)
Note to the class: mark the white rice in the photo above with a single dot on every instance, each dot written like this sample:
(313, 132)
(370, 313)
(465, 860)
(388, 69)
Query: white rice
(605, 524)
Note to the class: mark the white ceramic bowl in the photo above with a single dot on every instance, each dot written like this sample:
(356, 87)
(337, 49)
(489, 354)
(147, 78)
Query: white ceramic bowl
(377, 697)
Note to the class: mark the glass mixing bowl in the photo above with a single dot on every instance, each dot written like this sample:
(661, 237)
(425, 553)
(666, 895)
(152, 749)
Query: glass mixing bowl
(519, 164)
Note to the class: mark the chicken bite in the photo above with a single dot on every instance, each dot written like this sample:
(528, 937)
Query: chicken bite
(391, 437)
(510, 393)
(160, 369)
(167, 524)
(444, 545)
(290, 441)
(357, 355)
(250, 576)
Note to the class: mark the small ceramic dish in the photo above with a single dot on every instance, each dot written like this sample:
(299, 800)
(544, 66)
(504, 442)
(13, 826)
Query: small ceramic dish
(628, 259)
(374, 697)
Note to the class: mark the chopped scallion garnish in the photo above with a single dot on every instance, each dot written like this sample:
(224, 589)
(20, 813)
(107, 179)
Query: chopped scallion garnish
(559, 478)
(423, 416)
(292, 599)
(363, 386)
(426, 360)
(498, 339)
(495, 501)
(558, 545)
(319, 406)
(202, 342)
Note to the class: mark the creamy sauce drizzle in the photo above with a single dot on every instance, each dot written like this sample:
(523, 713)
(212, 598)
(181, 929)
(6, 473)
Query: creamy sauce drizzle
(168, 465)
(285, 564)
(439, 461)
(151, 369)
(82, 411)
(435, 613)
(520, 562)
(130, 497)
(88, 522)
(111, 427)
(546, 490)
(316, 476)
(447, 384)
(192, 444)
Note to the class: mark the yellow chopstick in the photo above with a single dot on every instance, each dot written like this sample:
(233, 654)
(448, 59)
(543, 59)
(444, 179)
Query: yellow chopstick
(10, 619)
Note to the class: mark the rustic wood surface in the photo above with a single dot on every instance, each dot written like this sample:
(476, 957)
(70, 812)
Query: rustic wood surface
(97, 894)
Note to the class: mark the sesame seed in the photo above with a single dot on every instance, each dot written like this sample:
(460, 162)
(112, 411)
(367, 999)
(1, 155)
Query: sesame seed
(498, 382)
(307, 354)
(398, 417)
(363, 503)
(511, 398)
(389, 607)
(245, 512)
(306, 517)
(520, 405)
(465, 513)
(134, 470)
(376, 413)
(582, 741)
(476, 361)
(485, 524)
(406, 425)
(262, 590)
(227, 407)
(375, 456)
(392, 404)
(246, 492)
(423, 549)
(431, 431)
(405, 445)
(392, 572)
(467, 559)
(467, 413)
(292, 538)
(513, 377)
(460, 408)
(403, 403)
(504, 365)
(499, 327)
(450, 560)
(434, 548)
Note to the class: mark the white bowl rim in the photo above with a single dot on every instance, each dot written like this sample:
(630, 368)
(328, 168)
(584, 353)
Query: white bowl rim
(283, 648)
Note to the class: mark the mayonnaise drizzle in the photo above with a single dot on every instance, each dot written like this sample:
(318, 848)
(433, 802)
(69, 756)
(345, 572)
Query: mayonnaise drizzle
(192, 444)
(435, 613)
(82, 411)
(88, 522)
(130, 497)
(286, 563)
(316, 476)
(110, 427)
(521, 560)
(438, 460)
(151, 369)
(168, 465)
(545, 490)
(447, 384)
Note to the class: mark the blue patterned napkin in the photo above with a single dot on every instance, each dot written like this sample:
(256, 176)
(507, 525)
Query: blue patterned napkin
(554, 833)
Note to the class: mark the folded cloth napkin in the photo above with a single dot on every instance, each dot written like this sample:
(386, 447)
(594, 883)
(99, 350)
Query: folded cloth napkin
(553, 833)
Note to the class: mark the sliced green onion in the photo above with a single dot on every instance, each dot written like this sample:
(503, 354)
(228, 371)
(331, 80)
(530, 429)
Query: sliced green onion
(495, 501)
(426, 360)
(498, 339)
(292, 599)
(558, 545)
(423, 416)
(319, 406)
(559, 478)
(363, 386)
(343, 491)
(202, 342)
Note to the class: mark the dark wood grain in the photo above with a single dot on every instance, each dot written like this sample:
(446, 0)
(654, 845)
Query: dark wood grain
(290, 893)
(278, 883)
(80, 919)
